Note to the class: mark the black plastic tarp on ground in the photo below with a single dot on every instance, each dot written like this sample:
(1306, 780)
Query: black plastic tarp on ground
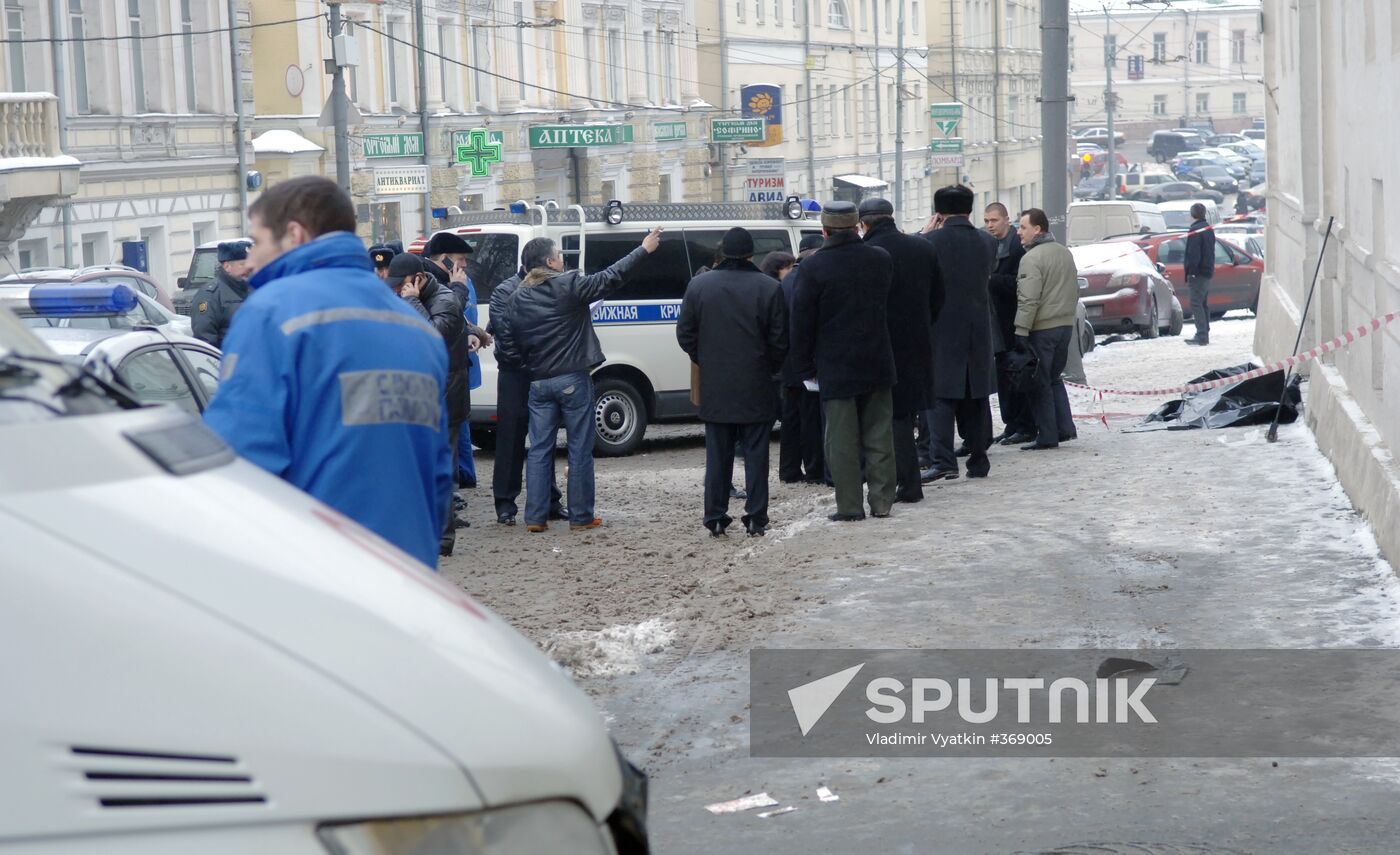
(1249, 402)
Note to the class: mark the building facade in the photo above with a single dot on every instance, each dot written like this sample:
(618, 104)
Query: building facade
(1191, 62)
(148, 103)
(1329, 159)
(835, 66)
(576, 101)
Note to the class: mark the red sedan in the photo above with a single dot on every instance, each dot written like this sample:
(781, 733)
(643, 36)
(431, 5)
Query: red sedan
(1125, 291)
(1237, 273)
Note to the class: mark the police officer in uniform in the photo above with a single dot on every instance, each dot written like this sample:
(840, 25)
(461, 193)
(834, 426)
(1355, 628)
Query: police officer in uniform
(381, 255)
(216, 304)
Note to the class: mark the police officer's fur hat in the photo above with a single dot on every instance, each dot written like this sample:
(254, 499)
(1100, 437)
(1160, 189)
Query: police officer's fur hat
(233, 250)
(381, 255)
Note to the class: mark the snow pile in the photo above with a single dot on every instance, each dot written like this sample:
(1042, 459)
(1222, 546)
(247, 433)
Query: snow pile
(609, 652)
(280, 141)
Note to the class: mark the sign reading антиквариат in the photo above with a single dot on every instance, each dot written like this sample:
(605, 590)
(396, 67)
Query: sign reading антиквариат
(1075, 703)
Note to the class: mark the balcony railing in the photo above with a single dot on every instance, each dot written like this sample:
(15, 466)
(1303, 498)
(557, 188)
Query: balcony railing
(28, 125)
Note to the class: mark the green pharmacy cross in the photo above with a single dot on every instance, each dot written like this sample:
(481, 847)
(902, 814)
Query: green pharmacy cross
(478, 152)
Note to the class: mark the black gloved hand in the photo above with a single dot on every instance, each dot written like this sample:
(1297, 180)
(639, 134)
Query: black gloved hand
(1023, 343)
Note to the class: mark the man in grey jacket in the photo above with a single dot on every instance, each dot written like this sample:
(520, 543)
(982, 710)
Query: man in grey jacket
(1047, 290)
(548, 327)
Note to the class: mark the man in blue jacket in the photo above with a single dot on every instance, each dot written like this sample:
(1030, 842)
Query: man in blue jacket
(1200, 269)
(330, 381)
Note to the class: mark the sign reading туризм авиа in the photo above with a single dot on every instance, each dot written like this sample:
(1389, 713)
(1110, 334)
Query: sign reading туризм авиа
(579, 136)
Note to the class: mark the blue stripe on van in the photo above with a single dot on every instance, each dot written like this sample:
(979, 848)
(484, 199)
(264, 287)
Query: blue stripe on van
(638, 313)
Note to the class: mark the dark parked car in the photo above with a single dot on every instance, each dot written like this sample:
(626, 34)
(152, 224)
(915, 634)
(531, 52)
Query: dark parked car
(1214, 177)
(1166, 145)
(1172, 191)
(1092, 189)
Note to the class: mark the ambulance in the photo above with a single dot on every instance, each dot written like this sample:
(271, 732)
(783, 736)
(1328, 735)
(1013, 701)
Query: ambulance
(198, 657)
(646, 378)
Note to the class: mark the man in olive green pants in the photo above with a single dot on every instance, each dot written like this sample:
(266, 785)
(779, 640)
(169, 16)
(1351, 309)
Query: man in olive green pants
(841, 344)
(853, 426)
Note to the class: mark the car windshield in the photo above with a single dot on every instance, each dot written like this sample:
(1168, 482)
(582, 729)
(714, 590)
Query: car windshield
(202, 267)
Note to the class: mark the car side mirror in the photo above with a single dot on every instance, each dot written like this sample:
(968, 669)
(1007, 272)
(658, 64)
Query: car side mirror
(182, 283)
(1161, 268)
(1083, 284)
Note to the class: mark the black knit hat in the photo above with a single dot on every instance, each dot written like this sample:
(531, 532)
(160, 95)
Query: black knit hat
(446, 242)
(404, 265)
(737, 243)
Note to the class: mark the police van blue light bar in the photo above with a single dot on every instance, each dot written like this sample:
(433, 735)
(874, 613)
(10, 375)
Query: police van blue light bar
(81, 301)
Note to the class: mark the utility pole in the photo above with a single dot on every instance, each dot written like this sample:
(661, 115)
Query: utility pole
(1054, 111)
(807, 107)
(239, 131)
(899, 118)
(421, 40)
(338, 99)
(1186, 70)
(724, 104)
(879, 121)
(60, 85)
(1110, 105)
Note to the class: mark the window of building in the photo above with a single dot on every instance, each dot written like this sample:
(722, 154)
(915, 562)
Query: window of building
(97, 248)
(663, 189)
(848, 108)
(520, 53)
(187, 40)
(391, 53)
(138, 67)
(797, 6)
(1159, 47)
(836, 15)
(482, 59)
(78, 51)
(609, 190)
(758, 10)
(14, 33)
(1202, 47)
(800, 108)
(1159, 105)
(1202, 103)
(1237, 46)
(594, 84)
(1013, 116)
(1241, 102)
(32, 253)
(778, 12)
(447, 74)
(649, 67)
(617, 66)
(739, 10)
(669, 63)
(889, 17)
(1010, 39)
(914, 16)
(1110, 49)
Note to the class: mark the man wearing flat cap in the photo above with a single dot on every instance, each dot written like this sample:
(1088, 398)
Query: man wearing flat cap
(381, 255)
(916, 296)
(964, 370)
(840, 332)
(216, 305)
(734, 326)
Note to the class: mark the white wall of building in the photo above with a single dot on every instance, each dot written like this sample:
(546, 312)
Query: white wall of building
(1330, 156)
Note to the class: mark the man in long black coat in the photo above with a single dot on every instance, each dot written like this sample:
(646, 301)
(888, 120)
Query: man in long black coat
(841, 335)
(734, 326)
(964, 373)
(1015, 406)
(916, 296)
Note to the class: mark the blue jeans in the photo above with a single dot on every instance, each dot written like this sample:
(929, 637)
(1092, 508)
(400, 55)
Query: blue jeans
(567, 400)
(466, 457)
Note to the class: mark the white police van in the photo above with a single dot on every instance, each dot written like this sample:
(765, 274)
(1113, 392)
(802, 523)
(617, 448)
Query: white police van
(646, 377)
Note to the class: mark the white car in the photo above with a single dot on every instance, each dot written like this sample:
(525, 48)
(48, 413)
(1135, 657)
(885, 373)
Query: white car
(255, 673)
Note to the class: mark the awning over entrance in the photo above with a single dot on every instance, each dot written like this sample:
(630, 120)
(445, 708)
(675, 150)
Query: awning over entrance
(864, 182)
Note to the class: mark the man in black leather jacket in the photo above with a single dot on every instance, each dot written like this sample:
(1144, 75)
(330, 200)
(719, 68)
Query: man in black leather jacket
(548, 327)
(216, 304)
(410, 279)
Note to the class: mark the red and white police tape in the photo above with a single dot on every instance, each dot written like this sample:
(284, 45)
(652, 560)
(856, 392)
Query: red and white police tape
(1296, 359)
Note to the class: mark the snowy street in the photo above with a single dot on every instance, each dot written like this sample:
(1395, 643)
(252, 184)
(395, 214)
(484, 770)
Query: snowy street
(1148, 540)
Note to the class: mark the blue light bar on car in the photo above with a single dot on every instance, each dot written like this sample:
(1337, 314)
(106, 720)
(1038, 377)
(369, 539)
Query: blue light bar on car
(81, 301)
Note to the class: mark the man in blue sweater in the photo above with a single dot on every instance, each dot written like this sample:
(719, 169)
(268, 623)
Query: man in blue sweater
(330, 381)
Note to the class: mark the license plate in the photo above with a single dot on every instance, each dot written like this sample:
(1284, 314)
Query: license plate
(1093, 311)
